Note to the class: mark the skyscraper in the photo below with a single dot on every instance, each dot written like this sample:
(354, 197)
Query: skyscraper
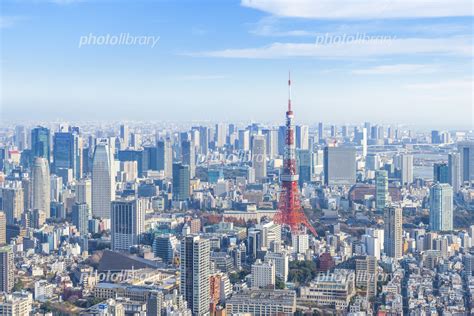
(393, 232)
(204, 139)
(164, 155)
(441, 207)
(80, 217)
(189, 157)
(67, 153)
(304, 166)
(244, 140)
(13, 202)
(441, 172)
(406, 169)
(21, 141)
(3, 228)
(381, 189)
(320, 132)
(125, 135)
(339, 165)
(83, 192)
(454, 171)
(41, 185)
(7, 269)
(466, 152)
(103, 180)
(221, 135)
(181, 186)
(40, 143)
(259, 158)
(302, 137)
(195, 271)
(127, 223)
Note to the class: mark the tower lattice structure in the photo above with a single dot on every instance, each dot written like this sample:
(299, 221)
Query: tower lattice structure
(289, 206)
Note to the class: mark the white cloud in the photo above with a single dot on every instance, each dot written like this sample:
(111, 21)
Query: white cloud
(360, 9)
(397, 69)
(454, 46)
(9, 21)
(269, 26)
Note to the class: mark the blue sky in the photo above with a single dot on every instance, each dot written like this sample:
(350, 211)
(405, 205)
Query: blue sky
(228, 60)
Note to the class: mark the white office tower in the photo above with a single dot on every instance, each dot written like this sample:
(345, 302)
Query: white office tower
(302, 137)
(372, 246)
(263, 274)
(364, 142)
(129, 171)
(189, 157)
(280, 261)
(393, 232)
(244, 140)
(259, 158)
(83, 192)
(195, 273)
(271, 232)
(441, 207)
(56, 187)
(272, 143)
(124, 136)
(300, 243)
(377, 233)
(127, 223)
(221, 135)
(41, 185)
(406, 169)
(454, 171)
(103, 180)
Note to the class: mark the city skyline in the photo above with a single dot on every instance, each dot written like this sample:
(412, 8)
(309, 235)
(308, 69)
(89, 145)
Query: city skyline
(364, 63)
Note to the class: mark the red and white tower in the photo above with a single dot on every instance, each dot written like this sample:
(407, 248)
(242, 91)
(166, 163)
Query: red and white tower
(289, 206)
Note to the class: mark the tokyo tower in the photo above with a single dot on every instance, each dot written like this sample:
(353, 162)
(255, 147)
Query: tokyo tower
(289, 206)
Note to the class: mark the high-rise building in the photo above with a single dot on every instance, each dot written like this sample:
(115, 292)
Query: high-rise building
(441, 207)
(244, 140)
(40, 143)
(393, 232)
(271, 142)
(164, 247)
(263, 274)
(406, 169)
(221, 135)
(189, 157)
(103, 180)
(280, 261)
(281, 140)
(41, 185)
(302, 137)
(381, 189)
(195, 272)
(259, 158)
(320, 132)
(340, 165)
(466, 152)
(441, 172)
(367, 275)
(181, 184)
(13, 202)
(372, 162)
(304, 166)
(67, 153)
(125, 135)
(83, 192)
(127, 223)
(21, 139)
(164, 156)
(3, 228)
(7, 269)
(80, 217)
(204, 139)
(454, 171)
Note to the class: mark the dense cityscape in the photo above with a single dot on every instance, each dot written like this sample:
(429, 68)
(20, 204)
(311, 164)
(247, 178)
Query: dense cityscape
(236, 158)
(235, 219)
